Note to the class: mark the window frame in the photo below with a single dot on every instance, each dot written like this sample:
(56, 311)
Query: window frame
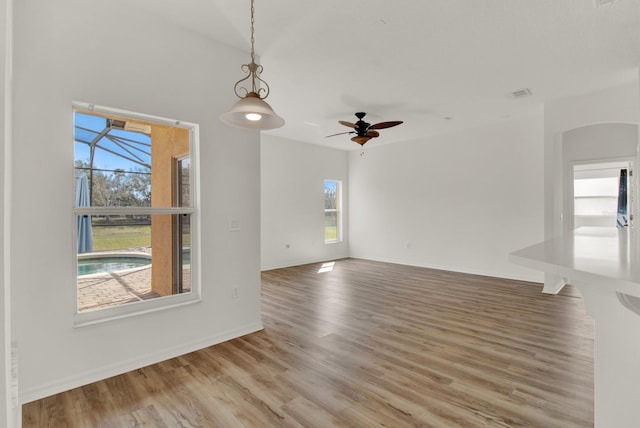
(337, 210)
(158, 303)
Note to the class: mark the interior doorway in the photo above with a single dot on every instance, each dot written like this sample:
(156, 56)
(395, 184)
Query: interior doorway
(602, 194)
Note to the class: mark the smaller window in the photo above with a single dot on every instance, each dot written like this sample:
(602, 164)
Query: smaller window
(332, 211)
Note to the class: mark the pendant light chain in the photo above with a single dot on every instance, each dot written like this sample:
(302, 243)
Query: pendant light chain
(253, 71)
(253, 54)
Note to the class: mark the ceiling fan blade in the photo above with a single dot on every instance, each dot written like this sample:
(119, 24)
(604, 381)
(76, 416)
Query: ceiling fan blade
(383, 125)
(340, 133)
(360, 140)
(345, 123)
(372, 133)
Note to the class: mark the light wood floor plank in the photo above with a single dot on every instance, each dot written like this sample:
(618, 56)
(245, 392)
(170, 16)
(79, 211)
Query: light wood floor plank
(366, 344)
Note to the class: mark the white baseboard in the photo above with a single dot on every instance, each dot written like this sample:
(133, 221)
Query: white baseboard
(291, 263)
(534, 277)
(119, 367)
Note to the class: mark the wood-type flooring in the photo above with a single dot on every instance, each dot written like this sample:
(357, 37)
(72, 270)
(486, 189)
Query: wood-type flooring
(366, 344)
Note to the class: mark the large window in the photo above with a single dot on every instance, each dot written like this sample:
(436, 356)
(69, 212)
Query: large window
(134, 209)
(332, 211)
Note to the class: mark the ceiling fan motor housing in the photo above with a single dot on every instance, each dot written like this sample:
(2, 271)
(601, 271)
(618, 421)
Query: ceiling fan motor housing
(361, 125)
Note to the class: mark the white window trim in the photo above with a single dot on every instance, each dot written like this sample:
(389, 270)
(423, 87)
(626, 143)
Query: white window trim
(81, 319)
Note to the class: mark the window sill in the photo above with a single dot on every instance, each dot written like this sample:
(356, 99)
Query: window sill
(82, 319)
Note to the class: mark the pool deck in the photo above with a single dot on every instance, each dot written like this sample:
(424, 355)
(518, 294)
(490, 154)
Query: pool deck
(117, 288)
(114, 288)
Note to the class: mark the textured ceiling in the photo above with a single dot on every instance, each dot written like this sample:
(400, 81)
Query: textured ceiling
(439, 65)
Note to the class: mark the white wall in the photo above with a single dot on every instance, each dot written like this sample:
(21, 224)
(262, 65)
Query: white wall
(116, 55)
(459, 202)
(292, 201)
(600, 141)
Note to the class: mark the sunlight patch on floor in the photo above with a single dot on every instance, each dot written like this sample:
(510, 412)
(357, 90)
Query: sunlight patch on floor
(326, 267)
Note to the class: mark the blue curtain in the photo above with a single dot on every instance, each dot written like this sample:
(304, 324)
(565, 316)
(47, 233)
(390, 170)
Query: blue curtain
(85, 234)
(622, 200)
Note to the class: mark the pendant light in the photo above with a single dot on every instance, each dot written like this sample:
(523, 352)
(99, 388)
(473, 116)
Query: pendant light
(252, 111)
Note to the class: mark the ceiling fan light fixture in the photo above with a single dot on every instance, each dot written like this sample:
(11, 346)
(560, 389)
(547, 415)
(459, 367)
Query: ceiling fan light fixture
(360, 140)
(252, 111)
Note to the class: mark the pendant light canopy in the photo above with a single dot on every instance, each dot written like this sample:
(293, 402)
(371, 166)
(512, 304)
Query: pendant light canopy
(252, 111)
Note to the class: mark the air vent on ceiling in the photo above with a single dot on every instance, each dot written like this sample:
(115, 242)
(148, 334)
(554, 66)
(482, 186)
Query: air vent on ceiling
(603, 2)
(521, 93)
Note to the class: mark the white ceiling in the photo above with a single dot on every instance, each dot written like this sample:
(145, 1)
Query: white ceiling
(439, 65)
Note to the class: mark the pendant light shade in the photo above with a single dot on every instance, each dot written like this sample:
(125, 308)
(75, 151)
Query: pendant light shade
(252, 112)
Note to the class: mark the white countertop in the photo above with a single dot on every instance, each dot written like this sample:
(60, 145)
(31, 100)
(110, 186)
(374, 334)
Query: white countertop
(606, 255)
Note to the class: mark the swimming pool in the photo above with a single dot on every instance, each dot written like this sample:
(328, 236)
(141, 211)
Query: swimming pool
(110, 263)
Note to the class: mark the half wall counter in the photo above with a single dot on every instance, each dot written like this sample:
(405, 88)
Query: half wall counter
(604, 265)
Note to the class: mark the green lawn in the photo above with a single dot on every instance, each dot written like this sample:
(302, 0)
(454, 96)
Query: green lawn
(107, 238)
(330, 233)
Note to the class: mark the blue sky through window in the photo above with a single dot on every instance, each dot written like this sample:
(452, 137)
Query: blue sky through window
(118, 149)
(330, 186)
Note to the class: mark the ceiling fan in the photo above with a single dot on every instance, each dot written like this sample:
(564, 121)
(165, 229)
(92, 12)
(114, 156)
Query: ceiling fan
(364, 131)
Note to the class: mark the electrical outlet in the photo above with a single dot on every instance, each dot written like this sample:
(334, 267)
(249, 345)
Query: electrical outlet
(234, 225)
(235, 293)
